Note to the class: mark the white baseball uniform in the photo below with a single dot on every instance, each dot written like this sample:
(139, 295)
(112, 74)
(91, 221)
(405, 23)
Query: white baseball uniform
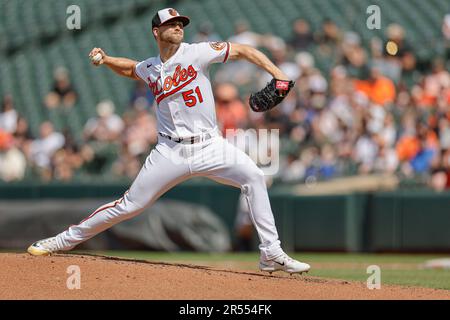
(189, 144)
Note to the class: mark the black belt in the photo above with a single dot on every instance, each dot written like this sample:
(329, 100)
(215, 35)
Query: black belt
(187, 140)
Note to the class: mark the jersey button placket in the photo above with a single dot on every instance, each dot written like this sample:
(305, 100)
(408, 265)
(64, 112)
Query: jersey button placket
(173, 115)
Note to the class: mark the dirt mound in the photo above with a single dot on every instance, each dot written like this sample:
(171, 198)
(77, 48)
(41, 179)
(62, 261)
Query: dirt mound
(25, 277)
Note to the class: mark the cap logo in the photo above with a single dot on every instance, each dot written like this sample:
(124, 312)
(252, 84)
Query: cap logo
(173, 12)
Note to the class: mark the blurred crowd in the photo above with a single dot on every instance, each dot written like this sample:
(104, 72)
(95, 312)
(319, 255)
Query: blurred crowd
(111, 145)
(371, 108)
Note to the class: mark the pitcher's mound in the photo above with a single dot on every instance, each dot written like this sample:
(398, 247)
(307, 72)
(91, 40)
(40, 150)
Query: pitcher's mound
(25, 277)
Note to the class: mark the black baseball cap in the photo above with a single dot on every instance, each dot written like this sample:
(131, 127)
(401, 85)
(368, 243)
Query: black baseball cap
(168, 14)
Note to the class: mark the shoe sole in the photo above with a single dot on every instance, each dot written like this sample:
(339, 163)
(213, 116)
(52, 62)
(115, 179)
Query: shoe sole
(37, 252)
(291, 273)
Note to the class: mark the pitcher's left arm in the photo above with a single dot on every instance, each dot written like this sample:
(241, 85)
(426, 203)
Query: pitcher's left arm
(253, 55)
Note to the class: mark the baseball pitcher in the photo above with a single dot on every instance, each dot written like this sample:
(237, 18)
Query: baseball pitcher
(189, 142)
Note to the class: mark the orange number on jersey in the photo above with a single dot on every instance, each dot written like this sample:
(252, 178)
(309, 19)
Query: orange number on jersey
(199, 94)
(189, 98)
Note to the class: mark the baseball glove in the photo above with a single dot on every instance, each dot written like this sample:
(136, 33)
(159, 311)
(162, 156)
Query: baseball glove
(271, 95)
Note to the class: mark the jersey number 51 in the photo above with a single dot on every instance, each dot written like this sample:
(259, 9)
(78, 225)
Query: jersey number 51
(190, 100)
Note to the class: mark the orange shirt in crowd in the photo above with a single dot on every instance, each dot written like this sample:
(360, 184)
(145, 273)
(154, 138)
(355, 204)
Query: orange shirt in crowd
(380, 91)
(231, 115)
(407, 148)
(6, 140)
(432, 140)
(426, 100)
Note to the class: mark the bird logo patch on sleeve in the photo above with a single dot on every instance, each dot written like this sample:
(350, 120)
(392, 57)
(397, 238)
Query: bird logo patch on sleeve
(217, 45)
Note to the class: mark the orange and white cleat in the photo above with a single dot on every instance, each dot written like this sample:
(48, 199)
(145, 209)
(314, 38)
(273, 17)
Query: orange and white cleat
(43, 247)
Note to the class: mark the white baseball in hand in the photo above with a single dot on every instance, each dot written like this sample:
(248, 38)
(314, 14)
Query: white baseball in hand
(97, 58)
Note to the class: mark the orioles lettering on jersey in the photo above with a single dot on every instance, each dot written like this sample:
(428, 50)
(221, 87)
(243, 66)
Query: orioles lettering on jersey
(179, 79)
(181, 85)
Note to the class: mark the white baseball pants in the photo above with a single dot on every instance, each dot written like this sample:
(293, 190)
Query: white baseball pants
(170, 163)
